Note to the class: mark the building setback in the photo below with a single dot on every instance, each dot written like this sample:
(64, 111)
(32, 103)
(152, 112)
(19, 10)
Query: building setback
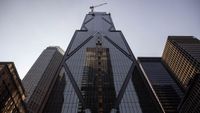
(12, 93)
(40, 79)
(182, 56)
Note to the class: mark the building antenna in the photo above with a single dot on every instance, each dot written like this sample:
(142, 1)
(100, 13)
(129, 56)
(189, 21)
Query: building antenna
(92, 7)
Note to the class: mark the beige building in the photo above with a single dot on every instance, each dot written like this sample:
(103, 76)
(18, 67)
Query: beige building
(12, 93)
(182, 56)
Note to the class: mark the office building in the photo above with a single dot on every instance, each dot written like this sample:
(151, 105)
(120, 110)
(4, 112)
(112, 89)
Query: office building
(98, 67)
(182, 56)
(39, 80)
(12, 93)
(163, 88)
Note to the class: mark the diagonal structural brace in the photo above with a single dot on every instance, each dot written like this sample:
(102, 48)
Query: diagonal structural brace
(119, 48)
(74, 84)
(124, 85)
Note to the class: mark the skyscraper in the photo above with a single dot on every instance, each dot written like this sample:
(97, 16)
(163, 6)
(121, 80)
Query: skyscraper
(182, 57)
(99, 74)
(163, 87)
(12, 93)
(39, 80)
(98, 67)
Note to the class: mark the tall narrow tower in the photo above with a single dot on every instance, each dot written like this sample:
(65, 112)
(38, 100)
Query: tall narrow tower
(39, 80)
(98, 67)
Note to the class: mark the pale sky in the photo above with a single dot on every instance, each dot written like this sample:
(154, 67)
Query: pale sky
(27, 27)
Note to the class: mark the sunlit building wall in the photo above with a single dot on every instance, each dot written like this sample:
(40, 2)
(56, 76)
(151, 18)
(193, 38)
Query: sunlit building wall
(12, 93)
(182, 56)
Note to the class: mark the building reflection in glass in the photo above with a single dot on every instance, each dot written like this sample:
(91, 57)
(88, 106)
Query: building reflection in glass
(97, 84)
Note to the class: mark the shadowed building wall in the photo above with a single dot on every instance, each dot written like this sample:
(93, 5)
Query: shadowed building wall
(166, 91)
(147, 98)
(54, 102)
(40, 79)
(191, 101)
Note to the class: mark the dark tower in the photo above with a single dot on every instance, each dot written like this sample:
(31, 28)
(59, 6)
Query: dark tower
(98, 67)
(39, 80)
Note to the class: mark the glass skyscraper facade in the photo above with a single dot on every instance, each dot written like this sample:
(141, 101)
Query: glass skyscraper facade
(98, 67)
(97, 85)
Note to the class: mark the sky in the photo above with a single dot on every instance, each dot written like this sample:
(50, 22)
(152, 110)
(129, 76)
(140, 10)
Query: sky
(27, 27)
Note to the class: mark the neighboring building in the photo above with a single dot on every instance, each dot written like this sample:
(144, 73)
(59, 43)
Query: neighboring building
(99, 65)
(182, 57)
(12, 93)
(55, 101)
(164, 89)
(191, 101)
(147, 99)
(40, 79)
